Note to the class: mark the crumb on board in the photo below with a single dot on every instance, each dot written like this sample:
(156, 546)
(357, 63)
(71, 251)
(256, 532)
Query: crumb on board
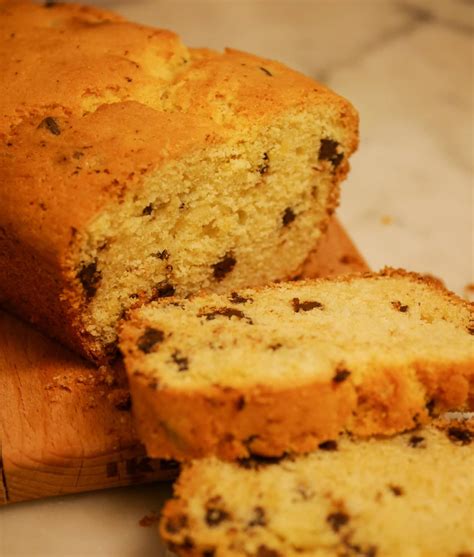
(149, 520)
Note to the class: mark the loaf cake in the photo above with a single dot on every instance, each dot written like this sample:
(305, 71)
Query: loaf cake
(287, 367)
(134, 168)
(408, 496)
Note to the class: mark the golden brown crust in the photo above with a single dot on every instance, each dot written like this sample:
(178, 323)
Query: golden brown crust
(90, 105)
(224, 422)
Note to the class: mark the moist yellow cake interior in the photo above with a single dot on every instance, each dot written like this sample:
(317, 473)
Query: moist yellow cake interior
(303, 333)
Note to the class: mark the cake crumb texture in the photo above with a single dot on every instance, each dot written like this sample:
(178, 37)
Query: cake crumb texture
(408, 496)
(286, 367)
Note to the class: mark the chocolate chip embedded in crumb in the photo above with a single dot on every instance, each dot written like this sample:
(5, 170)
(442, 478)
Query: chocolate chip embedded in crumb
(305, 306)
(288, 216)
(396, 490)
(181, 361)
(417, 441)
(224, 266)
(237, 299)
(256, 461)
(459, 435)
(89, 276)
(51, 4)
(163, 255)
(163, 290)
(265, 551)
(266, 72)
(175, 524)
(399, 306)
(337, 520)
(328, 152)
(258, 517)
(240, 403)
(275, 346)
(149, 339)
(470, 329)
(210, 315)
(341, 375)
(263, 168)
(148, 210)
(51, 125)
(329, 445)
(209, 553)
(431, 407)
(215, 515)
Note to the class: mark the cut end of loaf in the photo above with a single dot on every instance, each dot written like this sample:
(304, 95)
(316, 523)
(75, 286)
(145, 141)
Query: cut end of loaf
(409, 495)
(283, 368)
(245, 213)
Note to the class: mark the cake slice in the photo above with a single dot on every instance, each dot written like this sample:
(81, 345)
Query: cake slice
(286, 367)
(135, 168)
(408, 496)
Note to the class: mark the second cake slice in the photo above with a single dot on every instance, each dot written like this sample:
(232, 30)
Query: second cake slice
(288, 367)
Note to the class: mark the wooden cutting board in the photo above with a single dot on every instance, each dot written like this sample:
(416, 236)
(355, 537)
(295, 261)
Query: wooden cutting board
(67, 427)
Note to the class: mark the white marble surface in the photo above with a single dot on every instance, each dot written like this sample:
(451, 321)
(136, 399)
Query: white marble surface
(408, 67)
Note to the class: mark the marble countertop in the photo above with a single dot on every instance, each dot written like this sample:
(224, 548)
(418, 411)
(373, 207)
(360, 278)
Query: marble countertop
(408, 67)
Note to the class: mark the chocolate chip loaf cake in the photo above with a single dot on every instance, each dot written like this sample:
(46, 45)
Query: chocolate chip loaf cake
(284, 368)
(134, 168)
(408, 496)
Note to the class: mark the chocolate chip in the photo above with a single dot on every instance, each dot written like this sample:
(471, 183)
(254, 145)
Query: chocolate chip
(225, 312)
(337, 520)
(77, 155)
(181, 361)
(470, 329)
(163, 255)
(149, 339)
(90, 278)
(265, 551)
(112, 469)
(148, 210)
(459, 435)
(224, 266)
(341, 375)
(330, 445)
(265, 71)
(258, 517)
(51, 125)
(214, 516)
(288, 216)
(163, 290)
(175, 524)
(396, 490)
(51, 4)
(399, 306)
(275, 346)
(240, 403)
(256, 461)
(237, 299)
(416, 441)
(328, 152)
(124, 404)
(263, 168)
(430, 406)
(305, 306)
(209, 553)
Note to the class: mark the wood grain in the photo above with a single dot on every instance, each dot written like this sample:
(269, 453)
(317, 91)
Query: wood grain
(66, 426)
